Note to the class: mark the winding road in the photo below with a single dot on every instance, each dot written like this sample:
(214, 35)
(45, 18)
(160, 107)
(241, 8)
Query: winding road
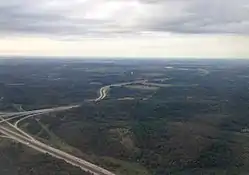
(12, 131)
(104, 90)
(15, 133)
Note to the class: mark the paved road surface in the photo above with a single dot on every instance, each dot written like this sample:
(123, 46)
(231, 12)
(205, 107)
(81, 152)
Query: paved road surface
(56, 109)
(15, 133)
(12, 131)
(104, 90)
(41, 147)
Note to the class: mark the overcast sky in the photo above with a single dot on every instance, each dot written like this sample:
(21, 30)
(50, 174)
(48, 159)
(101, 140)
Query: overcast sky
(125, 28)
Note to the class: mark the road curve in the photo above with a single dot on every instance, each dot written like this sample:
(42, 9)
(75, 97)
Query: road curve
(19, 135)
(102, 93)
(104, 90)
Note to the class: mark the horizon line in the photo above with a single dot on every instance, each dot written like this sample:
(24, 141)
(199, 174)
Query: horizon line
(116, 57)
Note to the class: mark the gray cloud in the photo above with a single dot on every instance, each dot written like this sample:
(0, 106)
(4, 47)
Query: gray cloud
(92, 17)
(215, 17)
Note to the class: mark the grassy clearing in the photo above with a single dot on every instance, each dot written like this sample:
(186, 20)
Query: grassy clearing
(142, 87)
(124, 136)
(58, 141)
(153, 74)
(126, 98)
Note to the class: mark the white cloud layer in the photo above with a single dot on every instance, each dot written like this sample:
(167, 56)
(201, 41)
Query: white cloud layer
(129, 28)
(123, 17)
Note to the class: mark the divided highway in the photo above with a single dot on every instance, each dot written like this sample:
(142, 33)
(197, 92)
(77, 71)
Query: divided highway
(12, 131)
(15, 133)
(41, 147)
(104, 90)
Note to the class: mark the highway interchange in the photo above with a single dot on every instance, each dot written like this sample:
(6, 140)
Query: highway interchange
(12, 131)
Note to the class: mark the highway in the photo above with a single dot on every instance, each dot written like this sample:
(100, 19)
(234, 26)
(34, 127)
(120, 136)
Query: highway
(104, 90)
(14, 132)
(102, 93)
(38, 111)
(41, 147)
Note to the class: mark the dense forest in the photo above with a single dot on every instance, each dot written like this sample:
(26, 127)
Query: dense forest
(185, 118)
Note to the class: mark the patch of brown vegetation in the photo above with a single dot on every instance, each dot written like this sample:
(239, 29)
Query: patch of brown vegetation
(124, 136)
(188, 139)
